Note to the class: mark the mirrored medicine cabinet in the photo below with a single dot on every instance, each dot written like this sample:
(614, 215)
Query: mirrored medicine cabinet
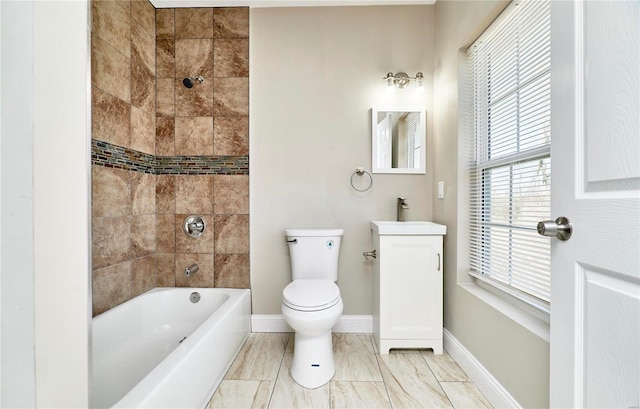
(398, 139)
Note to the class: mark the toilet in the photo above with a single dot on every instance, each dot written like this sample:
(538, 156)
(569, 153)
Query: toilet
(311, 303)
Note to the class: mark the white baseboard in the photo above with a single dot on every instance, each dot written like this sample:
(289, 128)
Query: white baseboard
(493, 390)
(269, 323)
(355, 324)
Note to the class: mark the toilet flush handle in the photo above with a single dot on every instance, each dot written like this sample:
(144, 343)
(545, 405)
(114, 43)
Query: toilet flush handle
(292, 241)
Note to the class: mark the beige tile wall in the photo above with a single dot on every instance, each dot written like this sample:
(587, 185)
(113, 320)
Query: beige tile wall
(211, 118)
(139, 57)
(123, 114)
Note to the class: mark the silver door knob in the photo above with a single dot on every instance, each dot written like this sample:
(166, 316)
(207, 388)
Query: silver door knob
(560, 228)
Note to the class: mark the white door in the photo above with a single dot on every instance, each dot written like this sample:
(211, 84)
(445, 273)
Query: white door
(595, 275)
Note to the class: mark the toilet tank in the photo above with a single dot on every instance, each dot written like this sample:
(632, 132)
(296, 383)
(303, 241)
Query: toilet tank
(314, 253)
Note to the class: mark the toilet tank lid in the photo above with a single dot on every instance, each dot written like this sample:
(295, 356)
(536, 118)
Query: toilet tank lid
(313, 232)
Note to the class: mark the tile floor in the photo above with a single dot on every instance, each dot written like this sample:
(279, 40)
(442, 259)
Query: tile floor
(259, 378)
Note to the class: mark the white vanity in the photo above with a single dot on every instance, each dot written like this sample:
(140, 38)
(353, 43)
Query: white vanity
(407, 285)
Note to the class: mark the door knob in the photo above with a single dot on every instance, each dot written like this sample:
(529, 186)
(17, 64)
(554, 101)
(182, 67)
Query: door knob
(560, 228)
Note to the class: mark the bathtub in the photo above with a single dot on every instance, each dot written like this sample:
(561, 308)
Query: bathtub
(160, 350)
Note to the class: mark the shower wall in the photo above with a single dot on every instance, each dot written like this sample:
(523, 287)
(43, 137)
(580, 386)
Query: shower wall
(161, 151)
(207, 128)
(123, 127)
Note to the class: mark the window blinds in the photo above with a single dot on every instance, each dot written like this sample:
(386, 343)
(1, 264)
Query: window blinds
(510, 168)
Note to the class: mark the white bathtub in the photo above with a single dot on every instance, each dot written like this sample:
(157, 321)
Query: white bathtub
(160, 350)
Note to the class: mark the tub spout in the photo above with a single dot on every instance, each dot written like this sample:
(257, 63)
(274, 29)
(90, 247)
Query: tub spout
(192, 269)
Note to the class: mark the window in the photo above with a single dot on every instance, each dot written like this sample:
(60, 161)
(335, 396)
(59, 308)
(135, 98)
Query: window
(510, 167)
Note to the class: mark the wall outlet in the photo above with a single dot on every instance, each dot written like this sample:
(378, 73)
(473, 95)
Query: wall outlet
(441, 190)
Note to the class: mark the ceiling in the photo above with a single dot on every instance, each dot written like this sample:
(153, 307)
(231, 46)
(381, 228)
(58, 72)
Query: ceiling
(284, 3)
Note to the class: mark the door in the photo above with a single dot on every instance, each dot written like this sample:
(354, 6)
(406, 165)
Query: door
(595, 275)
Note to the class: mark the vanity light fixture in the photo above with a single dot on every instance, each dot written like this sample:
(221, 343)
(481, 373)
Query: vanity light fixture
(402, 80)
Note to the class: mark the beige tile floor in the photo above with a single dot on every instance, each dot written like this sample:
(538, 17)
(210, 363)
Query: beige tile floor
(259, 378)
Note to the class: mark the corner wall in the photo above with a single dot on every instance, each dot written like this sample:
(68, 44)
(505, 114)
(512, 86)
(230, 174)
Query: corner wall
(315, 75)
(516, 357)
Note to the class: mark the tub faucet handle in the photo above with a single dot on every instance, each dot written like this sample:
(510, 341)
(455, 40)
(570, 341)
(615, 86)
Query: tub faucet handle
(192, 269)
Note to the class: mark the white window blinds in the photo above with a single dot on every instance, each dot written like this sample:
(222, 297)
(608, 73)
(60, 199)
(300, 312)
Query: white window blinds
(509, 175)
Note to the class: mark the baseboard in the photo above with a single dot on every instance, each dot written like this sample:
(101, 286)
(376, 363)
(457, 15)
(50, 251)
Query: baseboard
(493, 390)
(355, 324)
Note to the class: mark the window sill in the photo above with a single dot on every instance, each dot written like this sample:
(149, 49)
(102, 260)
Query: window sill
(527, 320)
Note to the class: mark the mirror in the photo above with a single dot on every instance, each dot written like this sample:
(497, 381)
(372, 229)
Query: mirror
(398, 138)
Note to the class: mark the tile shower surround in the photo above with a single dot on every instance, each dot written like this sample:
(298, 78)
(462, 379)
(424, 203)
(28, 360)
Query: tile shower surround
(160, 150)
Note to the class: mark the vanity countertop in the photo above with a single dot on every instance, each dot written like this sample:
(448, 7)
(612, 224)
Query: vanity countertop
(408, 228)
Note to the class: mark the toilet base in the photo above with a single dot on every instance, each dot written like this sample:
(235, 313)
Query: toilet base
(313, 364)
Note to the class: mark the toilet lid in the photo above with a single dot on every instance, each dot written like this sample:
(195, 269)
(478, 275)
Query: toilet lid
(311, 295)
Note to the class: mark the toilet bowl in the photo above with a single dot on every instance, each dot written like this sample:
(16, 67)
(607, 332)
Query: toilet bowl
(311, 303)
(313, 364)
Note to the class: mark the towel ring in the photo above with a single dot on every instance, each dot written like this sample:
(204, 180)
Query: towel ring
(360, 172)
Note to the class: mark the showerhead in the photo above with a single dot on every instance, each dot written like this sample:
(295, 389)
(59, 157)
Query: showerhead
(189, 82)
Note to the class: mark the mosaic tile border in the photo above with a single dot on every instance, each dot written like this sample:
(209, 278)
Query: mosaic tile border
(114, 156)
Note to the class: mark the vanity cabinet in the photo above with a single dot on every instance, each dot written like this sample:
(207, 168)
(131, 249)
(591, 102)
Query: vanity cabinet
(407, 289)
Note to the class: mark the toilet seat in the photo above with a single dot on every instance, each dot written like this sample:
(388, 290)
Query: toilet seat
(311, 295)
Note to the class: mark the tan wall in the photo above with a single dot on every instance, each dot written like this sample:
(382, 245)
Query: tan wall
(316, 73)
(182, 146)
(517, 358)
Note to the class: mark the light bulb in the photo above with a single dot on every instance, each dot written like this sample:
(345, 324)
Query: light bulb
(390, 85)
